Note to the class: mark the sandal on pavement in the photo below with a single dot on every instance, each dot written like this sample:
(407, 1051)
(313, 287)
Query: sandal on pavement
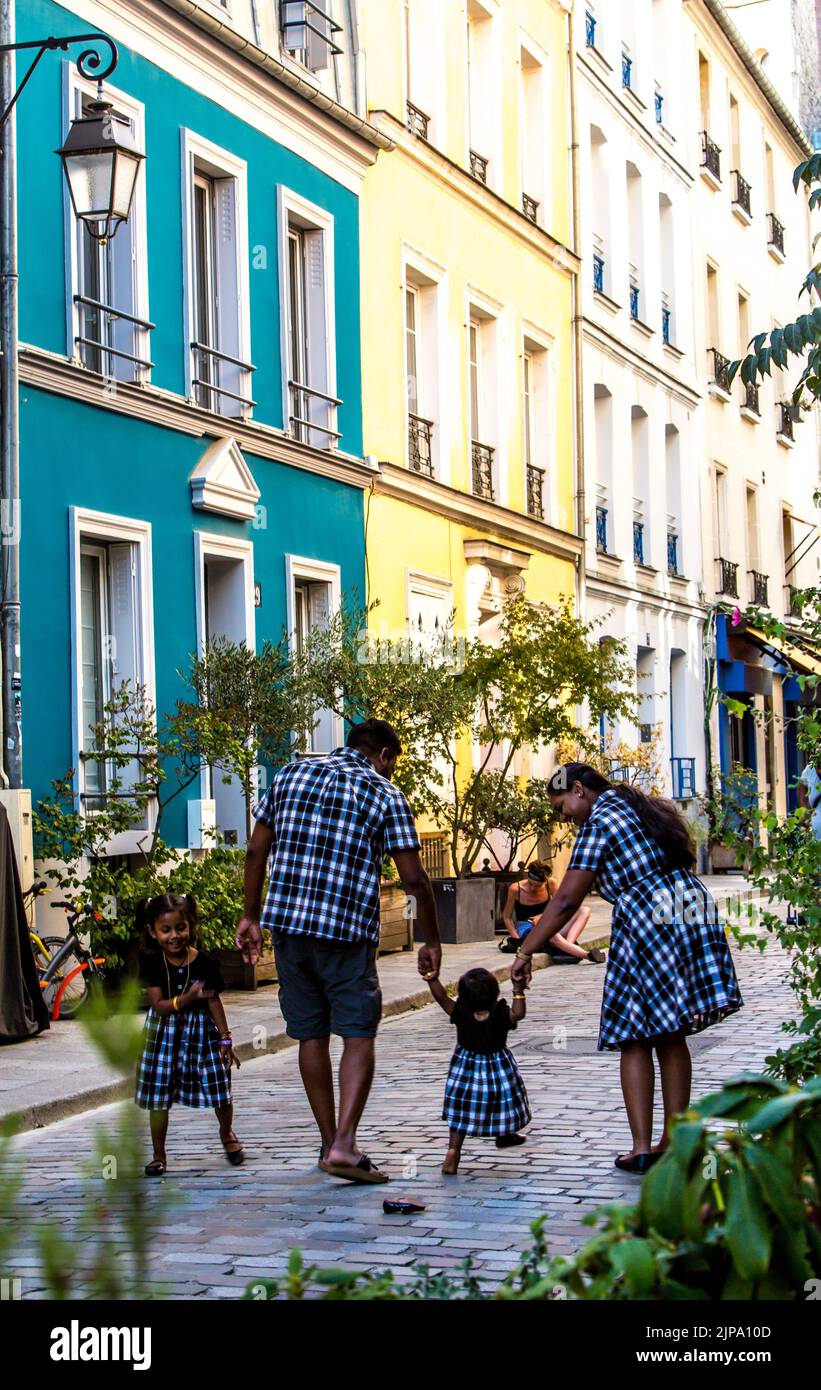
(235, 1156)
(155, 1169)
(636, 1163)
(509, 1141)
(363, 1171)
(596, 955)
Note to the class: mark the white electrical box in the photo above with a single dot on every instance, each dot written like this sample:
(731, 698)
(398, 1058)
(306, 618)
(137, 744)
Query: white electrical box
(18, 810)
(202, 824)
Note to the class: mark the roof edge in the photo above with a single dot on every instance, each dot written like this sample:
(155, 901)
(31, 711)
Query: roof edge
(757, 73)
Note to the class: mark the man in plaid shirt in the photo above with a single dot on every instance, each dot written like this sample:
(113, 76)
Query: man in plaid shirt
(326, 824)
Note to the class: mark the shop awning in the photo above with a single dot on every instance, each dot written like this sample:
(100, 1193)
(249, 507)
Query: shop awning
(782, 650)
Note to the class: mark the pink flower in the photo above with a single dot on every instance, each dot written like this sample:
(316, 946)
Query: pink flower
(736, 617)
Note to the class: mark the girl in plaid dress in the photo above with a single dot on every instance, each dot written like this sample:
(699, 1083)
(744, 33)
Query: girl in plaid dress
(669, 968)
(484, 1092)
(187, 1050)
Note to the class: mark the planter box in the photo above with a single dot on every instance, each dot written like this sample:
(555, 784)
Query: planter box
(466, 908)
(238, 975)
(396, 925)
(723, 858)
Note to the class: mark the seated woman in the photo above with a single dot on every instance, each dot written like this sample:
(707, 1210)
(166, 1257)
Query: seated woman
(527, 900)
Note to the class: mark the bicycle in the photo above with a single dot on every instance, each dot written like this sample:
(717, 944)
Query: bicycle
(67, 970)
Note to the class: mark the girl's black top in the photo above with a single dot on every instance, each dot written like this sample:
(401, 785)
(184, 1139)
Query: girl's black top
(202, 967)
(487, 1037)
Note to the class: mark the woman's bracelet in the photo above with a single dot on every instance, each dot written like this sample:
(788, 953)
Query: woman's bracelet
(227, 1041)
(522, 955)
(520, 996)
(176, 1003)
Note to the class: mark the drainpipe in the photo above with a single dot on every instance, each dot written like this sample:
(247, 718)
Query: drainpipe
(9, 423)
(578, 383)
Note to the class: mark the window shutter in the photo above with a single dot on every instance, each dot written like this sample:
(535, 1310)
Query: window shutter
(319, 597)
(319, 51)
(319, 412)
(122, 270)
(124, 646)
(294, 29)
(319, 612)
(228, 251)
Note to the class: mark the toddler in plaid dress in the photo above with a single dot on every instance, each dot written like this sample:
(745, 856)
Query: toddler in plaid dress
(187, 1050)
(484, 1092)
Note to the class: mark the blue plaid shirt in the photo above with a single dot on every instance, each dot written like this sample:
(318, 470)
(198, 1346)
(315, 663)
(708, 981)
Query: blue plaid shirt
(333, 821)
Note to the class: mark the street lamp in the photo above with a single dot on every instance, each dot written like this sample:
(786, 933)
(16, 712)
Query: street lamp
(101, 163)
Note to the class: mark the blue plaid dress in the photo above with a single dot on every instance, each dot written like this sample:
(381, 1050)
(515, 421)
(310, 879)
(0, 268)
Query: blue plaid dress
(484, 1092)
(181, 1062)
(669, 967)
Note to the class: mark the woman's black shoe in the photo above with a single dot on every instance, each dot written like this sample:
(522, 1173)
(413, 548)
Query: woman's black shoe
(509, 1141)
(636, 1163)
(597, 956)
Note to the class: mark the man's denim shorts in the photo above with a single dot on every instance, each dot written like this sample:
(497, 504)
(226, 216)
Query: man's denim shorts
(327, 987)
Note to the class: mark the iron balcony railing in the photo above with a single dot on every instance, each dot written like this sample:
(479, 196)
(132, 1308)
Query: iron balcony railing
(601, 530)
(710, 155)
(785, 421)
(665, 324)
(535, 491)
(482, 469)
(752, 397)
(417, 122)
(95, 314)
(634, 301)
(302, 398)
(420, 433)
(683, 775)
(743, 194)
(672, 552)
(775, 232)
(210, 359)
(598, 274)
(721, 370)
(626, 71)
(659, 99)
(478, 166)
(758, 588)
(530, 208)
(590, 29)
(638, 542)
(727, 577)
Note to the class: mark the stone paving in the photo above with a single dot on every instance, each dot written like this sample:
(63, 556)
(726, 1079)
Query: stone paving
(232, 1225)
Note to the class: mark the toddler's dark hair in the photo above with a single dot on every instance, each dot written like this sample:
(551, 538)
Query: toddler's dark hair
(149, 909)
(478, 990)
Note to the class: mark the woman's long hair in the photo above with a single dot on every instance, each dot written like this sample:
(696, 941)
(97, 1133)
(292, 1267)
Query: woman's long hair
(660, 818)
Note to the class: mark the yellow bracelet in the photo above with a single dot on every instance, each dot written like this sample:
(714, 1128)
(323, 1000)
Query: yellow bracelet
(176, 1003)
(522, 955)
(520, 996)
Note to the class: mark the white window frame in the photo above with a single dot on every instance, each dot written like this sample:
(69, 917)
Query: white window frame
(292, 207)
(538, 345)
(541, 59)
(206, 546)
(492, 420)
(426, 277)
(315, 572)
(75, 88)
(92, 528)
(494, 95)
(200, 155)
(432, 96)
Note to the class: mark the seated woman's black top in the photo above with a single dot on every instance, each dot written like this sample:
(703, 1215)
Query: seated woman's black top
(487, 1037)
(153, 973)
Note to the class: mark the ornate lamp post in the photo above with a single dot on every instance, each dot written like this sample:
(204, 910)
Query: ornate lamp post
(101, 164)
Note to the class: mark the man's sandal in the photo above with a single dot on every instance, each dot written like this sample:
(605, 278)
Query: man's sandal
(235, 1156)
(363, 1171)
(155, 1169)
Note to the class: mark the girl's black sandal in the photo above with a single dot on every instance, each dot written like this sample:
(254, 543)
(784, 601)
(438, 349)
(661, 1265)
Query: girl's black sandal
(155, 1169)
(636, 1163)
(237, 1156)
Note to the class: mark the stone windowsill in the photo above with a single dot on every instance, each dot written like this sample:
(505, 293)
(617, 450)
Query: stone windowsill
(785, 441)
(591, 51)
(719, 393)
(644, 328)
(776, 254)
(748, 414)
(674, 351)
(710, 178)
(742, 214)
(602, 298)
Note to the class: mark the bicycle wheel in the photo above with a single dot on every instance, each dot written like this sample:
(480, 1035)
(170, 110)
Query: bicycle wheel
(77, 988)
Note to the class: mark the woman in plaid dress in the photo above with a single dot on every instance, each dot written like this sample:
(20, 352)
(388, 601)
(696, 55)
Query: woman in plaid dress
(187, 1049)
(484, 1092)
(669, 968)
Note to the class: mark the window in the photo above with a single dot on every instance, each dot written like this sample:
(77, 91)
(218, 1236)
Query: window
(600, 181)
(420, 428)
(108, 327)
(216, 280)
(425, 53)
(310, 403)
(481, 452)
(635, 242)
(534, 145)
(640, 450)
(536, 440)
(313, 590)
(720, 513)
(668, 270)
(309, 32)
(484, 95)
(672, 479)
(112, 623)
(603, 433)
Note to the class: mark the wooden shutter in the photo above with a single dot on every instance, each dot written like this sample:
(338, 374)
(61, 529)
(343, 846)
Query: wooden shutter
(319, 412)
(124, 653)
(229, 308)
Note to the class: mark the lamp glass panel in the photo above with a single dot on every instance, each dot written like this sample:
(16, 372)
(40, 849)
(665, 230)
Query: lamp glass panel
(89, 175)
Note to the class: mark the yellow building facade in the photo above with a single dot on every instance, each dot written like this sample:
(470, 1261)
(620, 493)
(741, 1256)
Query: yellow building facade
(468, 309)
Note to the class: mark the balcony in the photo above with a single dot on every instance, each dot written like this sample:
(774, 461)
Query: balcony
(478, 166)
(634, 301)
(598, 274)
(758, 588)
(306, 402)
(792, 606)
(530, 208)
(785, 430)
(742, 199)
(627, 71)
(710, 156)
(420, 433)
(482, 470)
(208, 363)
(727, 578)
(665, 325)
(535, 492)
(721, 371)
(590, 29)
(638, 542)
(752, 400)
(96, 353)
(672, 553)
(659, 104)
(601, 530)
(775, 236)
(683, 775)
(417, 122)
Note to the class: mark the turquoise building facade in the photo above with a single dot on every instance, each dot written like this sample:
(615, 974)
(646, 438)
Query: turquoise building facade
(190, 398)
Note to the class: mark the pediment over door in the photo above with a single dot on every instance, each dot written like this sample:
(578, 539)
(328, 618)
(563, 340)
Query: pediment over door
(222, 482)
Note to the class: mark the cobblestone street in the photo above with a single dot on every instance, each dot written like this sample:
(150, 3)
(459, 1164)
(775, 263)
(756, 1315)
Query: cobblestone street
(232, 1225)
